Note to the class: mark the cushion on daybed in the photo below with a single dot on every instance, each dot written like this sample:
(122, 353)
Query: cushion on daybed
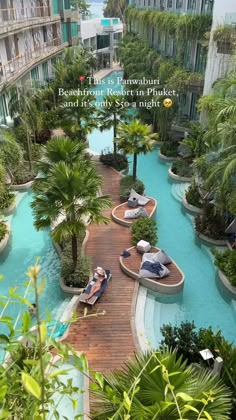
(142, 201)
(153, 270)
(159, 256)
(134, 214)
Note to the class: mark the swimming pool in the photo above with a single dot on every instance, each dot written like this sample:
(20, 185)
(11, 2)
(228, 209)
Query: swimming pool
(203, 299)
(80, 381)
(25, 246)
(99, 141)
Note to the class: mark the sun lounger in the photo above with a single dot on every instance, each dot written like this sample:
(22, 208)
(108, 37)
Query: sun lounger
(98, 294)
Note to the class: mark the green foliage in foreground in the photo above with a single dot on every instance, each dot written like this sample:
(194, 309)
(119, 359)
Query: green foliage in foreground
(144, 229)
(159, 385)
(188, 341)
(152, 385)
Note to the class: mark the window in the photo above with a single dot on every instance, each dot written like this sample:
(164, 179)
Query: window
(179, 4)
(194, 114)
(169, 4)
(191, 4)
(45, 35)
(201, 59)
(162, 5)
(207, 6)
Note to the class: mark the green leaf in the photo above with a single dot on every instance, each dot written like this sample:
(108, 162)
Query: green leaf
(191, 408)
(31, 385)
(74, 404)
(100, 379)
(3, 391)
(166, 404)
(58, 372)
(174, 373)
(184, 397)
(127, 401)
(207, 415)
(43, 332)
(4, 414)
(4, 338)
(26, 321)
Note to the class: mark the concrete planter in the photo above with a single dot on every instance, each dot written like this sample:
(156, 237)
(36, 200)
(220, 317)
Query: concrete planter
(210, 241)
(22, 187)
(192, 209)
(226, 282)
(67, 289)
(10, 209)
(166, 158)
(5, 240)
(177, 177)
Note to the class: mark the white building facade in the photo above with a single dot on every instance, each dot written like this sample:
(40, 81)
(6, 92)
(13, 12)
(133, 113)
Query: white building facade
(102, 37)
(33, 33)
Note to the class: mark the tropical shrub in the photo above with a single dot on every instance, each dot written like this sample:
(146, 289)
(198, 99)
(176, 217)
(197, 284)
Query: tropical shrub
(118, 161)
(23, 174)
(169, 148)
(75, 277)
(181, 167)
(159, 385)
(6, 197)
(3, 230)
(226, 262)
(32, 383)
(187, 340)
(2, 173)
(127, 184)
(144, 228)
(210, 223)
(11, 153)
(193, 196)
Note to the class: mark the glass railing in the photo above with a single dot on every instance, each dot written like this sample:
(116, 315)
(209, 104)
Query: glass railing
(8, 16)
(18, 63)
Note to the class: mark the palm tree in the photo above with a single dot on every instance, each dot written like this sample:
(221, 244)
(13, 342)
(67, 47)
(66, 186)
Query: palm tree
(159, 385)
(111, 115)
(62, 149)
(136, 138)
(78, 113)
(67, 199)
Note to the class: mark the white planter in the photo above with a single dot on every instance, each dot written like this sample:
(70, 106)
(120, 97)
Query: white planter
(10, 209)
(190, 207)
(210, 241)
(22, 187)
(178, 178)
(226, 282)
(5, 240)
(166, 158)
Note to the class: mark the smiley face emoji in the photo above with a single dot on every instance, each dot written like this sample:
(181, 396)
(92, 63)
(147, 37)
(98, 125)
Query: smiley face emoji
(167, 103)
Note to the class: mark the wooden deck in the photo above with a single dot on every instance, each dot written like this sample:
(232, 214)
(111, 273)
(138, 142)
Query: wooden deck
(119, 212)
(107, 340)
(171, 284)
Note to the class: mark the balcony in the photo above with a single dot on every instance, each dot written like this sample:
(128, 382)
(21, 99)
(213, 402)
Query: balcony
(12, 20)
(19, 65)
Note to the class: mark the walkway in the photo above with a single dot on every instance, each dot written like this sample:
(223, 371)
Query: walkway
(107, 340)
(104, 72)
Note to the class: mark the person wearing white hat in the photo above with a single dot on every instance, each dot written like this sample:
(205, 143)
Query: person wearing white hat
(99, 275)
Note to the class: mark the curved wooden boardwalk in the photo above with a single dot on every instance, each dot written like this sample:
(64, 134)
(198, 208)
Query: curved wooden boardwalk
(107, 340)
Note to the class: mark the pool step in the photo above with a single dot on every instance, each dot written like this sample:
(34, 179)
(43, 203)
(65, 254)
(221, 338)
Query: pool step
(179, 189)
(58, 312)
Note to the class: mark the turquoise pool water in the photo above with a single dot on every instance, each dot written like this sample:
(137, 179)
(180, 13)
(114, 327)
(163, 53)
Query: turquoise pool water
(26, 245)
(100, 141)
(64, 406)
(203, 299)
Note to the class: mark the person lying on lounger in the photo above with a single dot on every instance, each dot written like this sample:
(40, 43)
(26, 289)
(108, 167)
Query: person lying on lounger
(99, 275)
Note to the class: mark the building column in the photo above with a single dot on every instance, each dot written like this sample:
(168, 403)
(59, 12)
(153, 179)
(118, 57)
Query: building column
(111, 49)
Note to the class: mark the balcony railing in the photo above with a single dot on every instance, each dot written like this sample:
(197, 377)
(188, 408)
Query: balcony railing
(17, 15)
(19, 63)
